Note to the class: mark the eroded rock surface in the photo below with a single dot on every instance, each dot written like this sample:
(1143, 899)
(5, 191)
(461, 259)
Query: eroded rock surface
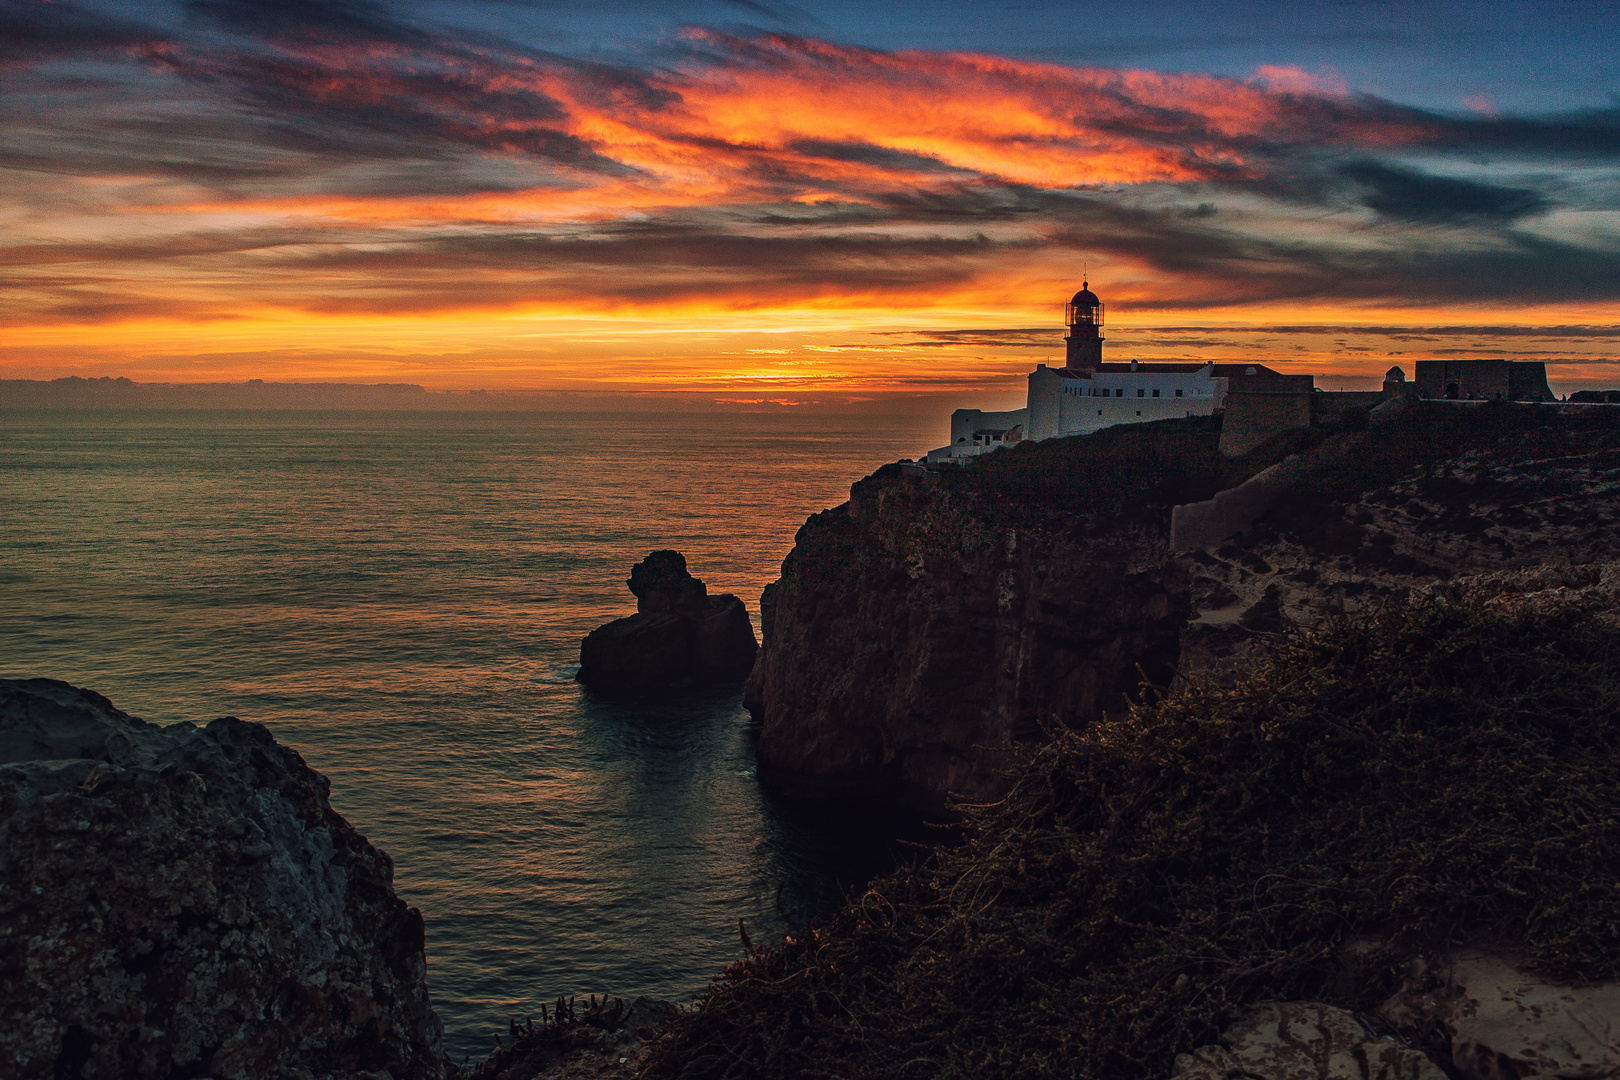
(1510, 1023)
(678, 634)
(1304, 1041)
(184, 901)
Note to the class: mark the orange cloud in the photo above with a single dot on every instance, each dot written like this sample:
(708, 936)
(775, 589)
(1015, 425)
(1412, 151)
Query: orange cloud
(787, 119)
(747, 219)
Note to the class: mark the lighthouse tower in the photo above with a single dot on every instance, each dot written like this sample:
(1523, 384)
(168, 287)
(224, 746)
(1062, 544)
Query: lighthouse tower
(1084, 317)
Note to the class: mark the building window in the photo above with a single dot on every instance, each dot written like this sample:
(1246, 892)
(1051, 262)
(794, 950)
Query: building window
(1141, 393)
(1178, 393)
(1155, 393)
(1138, 412)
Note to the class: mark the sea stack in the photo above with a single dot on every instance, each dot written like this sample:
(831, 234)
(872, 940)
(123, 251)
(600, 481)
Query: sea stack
(679, 634)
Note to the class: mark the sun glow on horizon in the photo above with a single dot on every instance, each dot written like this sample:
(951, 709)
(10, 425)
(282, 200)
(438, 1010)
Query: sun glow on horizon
(457, 213)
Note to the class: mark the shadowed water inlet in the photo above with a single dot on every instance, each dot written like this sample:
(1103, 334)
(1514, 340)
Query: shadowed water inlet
(401, 598)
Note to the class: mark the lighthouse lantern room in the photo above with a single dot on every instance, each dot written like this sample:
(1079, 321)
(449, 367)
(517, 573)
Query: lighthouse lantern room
(1084, 317)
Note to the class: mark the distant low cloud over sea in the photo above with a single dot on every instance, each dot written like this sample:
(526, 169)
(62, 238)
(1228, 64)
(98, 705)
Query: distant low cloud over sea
(754, 198)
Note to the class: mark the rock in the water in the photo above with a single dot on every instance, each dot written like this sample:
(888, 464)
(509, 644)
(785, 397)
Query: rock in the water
(661, 582)
(1506, 1023)
(1304, 1041)
(679, 633)
(184, 901)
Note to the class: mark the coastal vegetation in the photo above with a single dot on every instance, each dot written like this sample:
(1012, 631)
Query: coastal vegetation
(1444, 771)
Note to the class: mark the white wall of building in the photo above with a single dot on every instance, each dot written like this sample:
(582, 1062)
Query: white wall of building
(1107, 398)
(974, 431)
(1063, 402)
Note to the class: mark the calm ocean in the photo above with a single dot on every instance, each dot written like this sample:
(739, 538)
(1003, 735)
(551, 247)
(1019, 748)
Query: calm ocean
(401, 598)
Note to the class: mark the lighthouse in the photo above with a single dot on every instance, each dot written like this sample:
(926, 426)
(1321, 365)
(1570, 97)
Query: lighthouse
(1086, 395)
(1084, 317)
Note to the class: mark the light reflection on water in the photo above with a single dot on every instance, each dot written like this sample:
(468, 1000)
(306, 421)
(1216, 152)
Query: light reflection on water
(401, 597)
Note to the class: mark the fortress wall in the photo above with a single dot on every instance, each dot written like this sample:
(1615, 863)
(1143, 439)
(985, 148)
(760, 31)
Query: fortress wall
(1252, 418)
(1205, 524)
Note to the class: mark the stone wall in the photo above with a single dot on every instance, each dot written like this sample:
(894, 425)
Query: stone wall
(1253, 416)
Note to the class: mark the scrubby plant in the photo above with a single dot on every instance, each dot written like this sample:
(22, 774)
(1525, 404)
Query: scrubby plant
(1440, 773)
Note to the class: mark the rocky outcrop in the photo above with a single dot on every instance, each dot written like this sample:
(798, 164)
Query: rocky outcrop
(1495, 1020)
(678, 634)
(1507, 1021)
(908, 639)
(1304, 1041)
(184, 901)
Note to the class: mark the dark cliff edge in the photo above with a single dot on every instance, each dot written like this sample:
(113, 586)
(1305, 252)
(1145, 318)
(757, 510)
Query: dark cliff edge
(184, 901)
(944, 615)
(940, 616)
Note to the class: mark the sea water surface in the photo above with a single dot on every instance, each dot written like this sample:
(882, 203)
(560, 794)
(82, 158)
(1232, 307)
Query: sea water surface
(401, 597)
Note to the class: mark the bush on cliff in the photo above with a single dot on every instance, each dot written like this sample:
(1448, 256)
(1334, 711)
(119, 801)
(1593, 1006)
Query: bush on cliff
(1443, 772)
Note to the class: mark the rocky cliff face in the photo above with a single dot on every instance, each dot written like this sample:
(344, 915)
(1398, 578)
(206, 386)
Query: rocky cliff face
(184, 901)
(926, 622)
(908, 638)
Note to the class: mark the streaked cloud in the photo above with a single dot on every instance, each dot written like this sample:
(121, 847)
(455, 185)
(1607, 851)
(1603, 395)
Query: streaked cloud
(281, 164)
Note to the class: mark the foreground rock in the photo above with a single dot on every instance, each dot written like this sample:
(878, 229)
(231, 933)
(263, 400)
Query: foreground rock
(1497, 1020)
(184, 901)
(1304, 1041)
(679, 633)
(1506, 1021)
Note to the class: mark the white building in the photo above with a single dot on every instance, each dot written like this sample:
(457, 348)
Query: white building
(1086, 394)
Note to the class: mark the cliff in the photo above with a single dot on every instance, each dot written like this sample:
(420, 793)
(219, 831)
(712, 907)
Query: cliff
(1387, 850)
(908, 638)
(941, 616)
(1444, 491)
(184, 901)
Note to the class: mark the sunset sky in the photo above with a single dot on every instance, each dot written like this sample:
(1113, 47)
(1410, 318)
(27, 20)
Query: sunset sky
(762, 201)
